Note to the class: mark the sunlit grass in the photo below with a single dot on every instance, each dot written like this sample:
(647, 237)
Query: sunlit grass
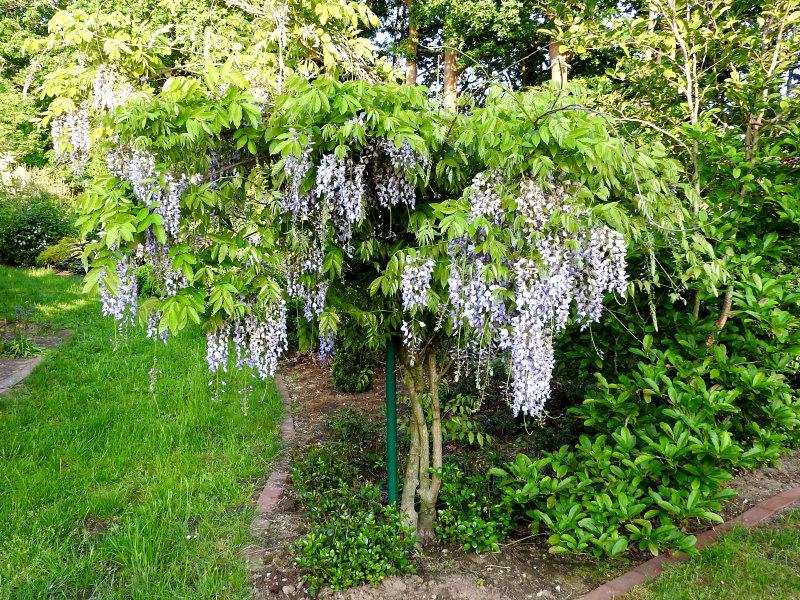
(109, 491)
(747, 564)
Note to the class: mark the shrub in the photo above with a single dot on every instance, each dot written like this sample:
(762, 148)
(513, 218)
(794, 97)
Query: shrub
(352, 538)
(29, 225)
(666, 440)
(357, 546)
(472, 513)
(65, 254)
(353, 360)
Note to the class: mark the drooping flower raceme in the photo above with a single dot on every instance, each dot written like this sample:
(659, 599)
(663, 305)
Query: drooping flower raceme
(296, 169)
(71, 136)
(391, 167)
(416, 282)
(218, 348)
(340, 182)
(120, 303)
(258, 341)
(579, 269)
(486, 198)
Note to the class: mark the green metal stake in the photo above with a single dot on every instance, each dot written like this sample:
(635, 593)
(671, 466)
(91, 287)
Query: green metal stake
(391, 418)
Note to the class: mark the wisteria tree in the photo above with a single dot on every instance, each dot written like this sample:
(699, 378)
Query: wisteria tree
(476, 238)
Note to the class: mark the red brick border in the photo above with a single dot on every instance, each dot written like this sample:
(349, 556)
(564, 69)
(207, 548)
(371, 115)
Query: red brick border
(653, 567)
(271, 493)
(273, 489)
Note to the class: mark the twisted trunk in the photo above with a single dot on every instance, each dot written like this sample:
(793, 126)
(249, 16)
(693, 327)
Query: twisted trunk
(422, 477)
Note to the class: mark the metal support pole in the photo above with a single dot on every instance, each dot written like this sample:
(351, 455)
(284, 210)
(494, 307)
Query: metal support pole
(391, 418)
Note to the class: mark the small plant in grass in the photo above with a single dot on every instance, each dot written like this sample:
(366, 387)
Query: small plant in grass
(20, 346)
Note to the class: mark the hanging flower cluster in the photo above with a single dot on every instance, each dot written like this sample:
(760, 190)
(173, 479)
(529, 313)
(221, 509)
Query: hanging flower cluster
(570, 269)
(109, 89)
(416, 282)
(71, 136)
(160, 192)
(218, 348)
(258, 341)
(344, 186)
(474, 302)
(486, 198)
(120, 303)
(341, 182)
(153, 321)
(537, 204)
(296, 170)
(307, 263)
(391, 166)
(327, 342)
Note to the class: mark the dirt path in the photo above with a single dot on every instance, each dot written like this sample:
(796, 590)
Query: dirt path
(524, 570)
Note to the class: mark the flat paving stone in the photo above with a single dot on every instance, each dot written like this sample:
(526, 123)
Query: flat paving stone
(14, 370)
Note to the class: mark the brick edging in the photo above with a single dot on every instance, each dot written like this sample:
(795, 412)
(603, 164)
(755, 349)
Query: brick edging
(650, 569)
(269, 496)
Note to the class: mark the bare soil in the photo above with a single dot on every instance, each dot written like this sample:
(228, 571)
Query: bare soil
(523, 570)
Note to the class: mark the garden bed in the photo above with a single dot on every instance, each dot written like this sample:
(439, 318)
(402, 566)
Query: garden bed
(524, 569)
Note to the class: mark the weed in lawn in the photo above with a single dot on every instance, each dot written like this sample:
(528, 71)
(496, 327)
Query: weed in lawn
(20, 346)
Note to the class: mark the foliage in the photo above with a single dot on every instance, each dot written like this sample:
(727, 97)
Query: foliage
(175, 492)
(353, 360)
(28, 225)
(665, 440)
(472, 513)
(352, 537)
(65, 254)
(19, 346)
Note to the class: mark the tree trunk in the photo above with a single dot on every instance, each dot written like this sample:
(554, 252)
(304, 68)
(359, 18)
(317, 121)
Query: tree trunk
(422, 477)
(723, 314)
(412, 378)
(450, 79)
(558, 64)
(413, 45)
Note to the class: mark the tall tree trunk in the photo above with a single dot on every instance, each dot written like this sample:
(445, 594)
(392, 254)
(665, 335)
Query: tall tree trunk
(450, 78)
(558, 64)
(413, 45)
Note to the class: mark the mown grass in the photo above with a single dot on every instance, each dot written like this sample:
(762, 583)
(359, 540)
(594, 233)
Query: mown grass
(747, 564)
(109, 491)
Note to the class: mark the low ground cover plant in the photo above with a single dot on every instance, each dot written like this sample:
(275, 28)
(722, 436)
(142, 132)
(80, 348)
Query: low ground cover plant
(352, 536)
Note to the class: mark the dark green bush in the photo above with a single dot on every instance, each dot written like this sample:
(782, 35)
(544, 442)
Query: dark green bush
(667, 439)
(353, 360)
(29, 225)
(471, 512)
(352, 537)
(358, 546)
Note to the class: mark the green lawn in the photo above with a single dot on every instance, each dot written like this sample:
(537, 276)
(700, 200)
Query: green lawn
(109, 492)
(747, 564)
